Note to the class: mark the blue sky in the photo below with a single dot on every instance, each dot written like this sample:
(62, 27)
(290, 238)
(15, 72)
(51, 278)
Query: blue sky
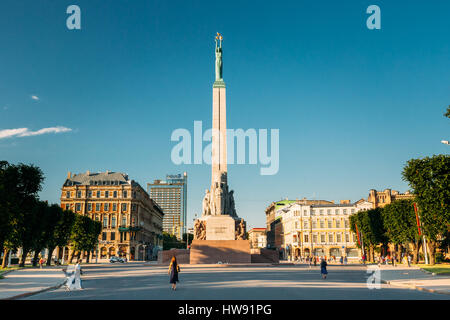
(352, 104)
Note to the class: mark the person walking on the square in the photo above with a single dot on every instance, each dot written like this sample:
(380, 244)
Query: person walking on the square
(41, 262)
(341, 260)
(174, 269)
(409, 260)
(323, 268)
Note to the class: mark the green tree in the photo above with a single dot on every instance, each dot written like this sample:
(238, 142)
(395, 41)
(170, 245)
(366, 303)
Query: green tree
(170, 241)
(400, 223)
(430, 180)
(370, 226)
(60, 235)
(8, 183)
(24, 194)
(84, 235)
(447, 113)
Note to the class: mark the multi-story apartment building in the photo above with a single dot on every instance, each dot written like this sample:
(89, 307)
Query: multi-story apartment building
(310, 229)
(382, 198)
(257, 237)
(171, 196)
(273, 220)
(132, 222)
(320, 229)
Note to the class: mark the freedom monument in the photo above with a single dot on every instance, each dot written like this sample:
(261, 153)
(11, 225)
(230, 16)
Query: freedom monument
(219, 234)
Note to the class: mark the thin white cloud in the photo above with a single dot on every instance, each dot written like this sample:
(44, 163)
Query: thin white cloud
(34, 97)
(25, 132)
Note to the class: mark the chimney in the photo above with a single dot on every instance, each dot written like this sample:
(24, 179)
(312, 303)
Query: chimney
(69, 175)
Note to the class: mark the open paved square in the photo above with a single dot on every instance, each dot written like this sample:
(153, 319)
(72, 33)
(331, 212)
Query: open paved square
(208, 282)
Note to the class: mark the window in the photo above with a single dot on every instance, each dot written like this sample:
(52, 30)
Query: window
(125, 194)
(97, 207)
(78, 207)
(313, 212)
(322, 224)
(345, 211)
(306, 238)
(321, 211)
(133, 207)
(336, 211)
(328, 211)
(314, 238)
(330, 237)
(105, 222)
(78, 194)
(353, 211)
(305, 224)
(124, 221)
(305, 212)
(96, 217)
(68, 194)
(113, 236)
(106, 194)
(89, 206)
(89, 194)
(354, 237)
(106, 206)
(115, 194)
(338, 238)
(98, 194)
(113, 222)
(296, 224)
(347, 238)
(134, 194)
(346, 223)
(314, 224)
(338, 223)
(114, 207)
(103, 236)
(330, 224)
(124, 207)
(322, 238)
(67, 206)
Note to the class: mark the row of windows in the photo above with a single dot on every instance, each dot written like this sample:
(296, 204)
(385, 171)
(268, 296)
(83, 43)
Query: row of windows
(322, 212)
(107, 194)
(331, 238)
(98, 207)
(330, 223)
(112, 236)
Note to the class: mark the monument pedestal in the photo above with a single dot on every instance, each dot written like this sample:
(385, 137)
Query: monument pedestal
(224, 251)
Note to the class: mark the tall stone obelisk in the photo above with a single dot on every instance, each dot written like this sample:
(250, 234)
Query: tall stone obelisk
(219, 234)
(218, 203)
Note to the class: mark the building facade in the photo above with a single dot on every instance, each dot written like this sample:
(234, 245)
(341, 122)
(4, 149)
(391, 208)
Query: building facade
(257, 237)
(310, 229)
(171, 196)
(382, 198)
(132, 222)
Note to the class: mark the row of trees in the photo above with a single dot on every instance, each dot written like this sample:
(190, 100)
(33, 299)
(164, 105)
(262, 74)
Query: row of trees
(396, 223)
(31, 224)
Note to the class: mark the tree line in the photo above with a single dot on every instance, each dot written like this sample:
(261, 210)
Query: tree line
(397, 223)
(33, 225)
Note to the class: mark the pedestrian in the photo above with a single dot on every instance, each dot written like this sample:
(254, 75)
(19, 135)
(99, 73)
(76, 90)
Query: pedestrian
(174, 269)
(315, 261)
(345, 260)
(393, 259)
(74, 280)
(409, 260)
(341, 260)
(41, 262)
(323, 268)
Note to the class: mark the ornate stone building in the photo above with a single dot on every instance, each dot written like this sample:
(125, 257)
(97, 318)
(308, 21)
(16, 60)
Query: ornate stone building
(319, 229)
(131, 220)
(382, 198)
(257, 237)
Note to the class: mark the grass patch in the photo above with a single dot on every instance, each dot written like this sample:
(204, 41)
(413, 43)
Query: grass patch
(438, 269)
